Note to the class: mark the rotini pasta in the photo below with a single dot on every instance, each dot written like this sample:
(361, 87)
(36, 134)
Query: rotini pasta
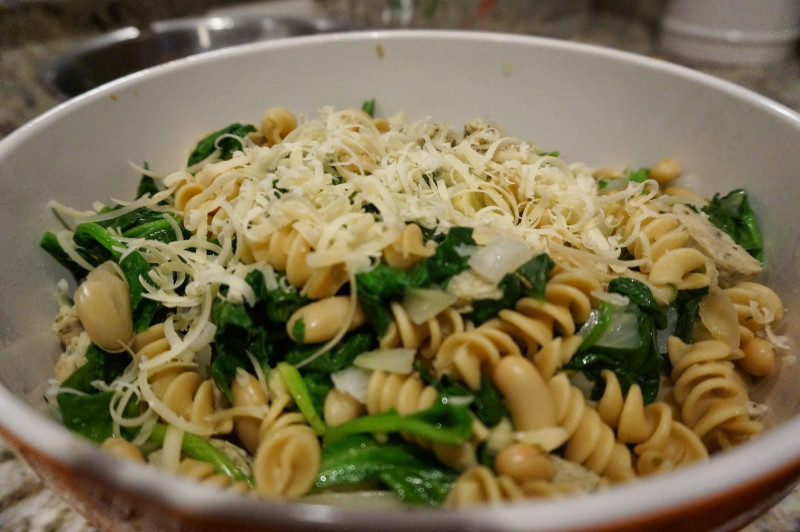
(466, 355)
(409, 395)
(454, 315)
(713, 398)
(426, 337)
(661, 443)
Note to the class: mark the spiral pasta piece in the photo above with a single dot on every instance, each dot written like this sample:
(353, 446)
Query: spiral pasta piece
(480, 485)
(408, 250)
(191, 397)
(661, 443)
(573, 290)
(409, 395)
(199, 200)
(150, 343)
(276, 123)
(340, 407)
(286, 250)
(713, 399)
(656, 236)
(590, 440)
(662, 245)
(426, 337)
(288, 455)
(467, 355)
(757, 305)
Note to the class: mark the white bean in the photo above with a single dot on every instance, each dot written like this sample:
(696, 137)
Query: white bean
(103, 304)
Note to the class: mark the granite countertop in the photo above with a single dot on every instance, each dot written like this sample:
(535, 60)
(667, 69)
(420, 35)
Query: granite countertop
(32, 36)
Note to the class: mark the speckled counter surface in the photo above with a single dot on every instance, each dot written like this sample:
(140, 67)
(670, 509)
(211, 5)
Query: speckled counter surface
(30, 39)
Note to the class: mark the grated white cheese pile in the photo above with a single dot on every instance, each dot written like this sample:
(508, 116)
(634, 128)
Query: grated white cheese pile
(349, 187)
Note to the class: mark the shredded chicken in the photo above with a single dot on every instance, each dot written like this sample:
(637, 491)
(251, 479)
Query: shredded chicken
(733, 262)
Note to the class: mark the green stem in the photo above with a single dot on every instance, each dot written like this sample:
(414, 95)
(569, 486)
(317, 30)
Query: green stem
(302, 398)
(201, 449)
(603, 321)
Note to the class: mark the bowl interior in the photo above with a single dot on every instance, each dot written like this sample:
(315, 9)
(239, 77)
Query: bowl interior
(597, 106)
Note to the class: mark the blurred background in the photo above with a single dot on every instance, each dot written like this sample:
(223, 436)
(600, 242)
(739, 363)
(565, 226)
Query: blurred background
(54, 49)
(51, 50)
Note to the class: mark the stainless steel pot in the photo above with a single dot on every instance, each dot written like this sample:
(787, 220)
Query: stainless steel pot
(130, 49)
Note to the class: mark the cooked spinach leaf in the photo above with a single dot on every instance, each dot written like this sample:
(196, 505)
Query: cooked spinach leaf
(225, 140)
(732, 213)
(414, 474)
(382, 284)
(529, 280)
(623, 340)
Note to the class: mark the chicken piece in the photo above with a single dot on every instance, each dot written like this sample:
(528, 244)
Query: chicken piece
(733, 262)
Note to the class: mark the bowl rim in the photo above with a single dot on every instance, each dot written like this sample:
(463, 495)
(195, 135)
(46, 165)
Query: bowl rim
(722, 472)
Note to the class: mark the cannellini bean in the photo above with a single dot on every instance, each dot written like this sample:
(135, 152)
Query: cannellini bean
(524, 462)
(527, 397)
(341, 407)
(664, 170)
(759, 357)
(322, 319)
(103, 304)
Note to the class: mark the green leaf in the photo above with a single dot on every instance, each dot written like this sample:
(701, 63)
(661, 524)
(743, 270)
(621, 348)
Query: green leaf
(487, 402)
(369, 107)
(732, 213)
(236, 335)
(201, 449)
(623, 340)
(147, 185)
(486, 308)
(640, 295)
(412, 473)
(638, 176)
(450, 258)
(318, 386)
(382, 284)
(338, 358)
(135, 267)
(99, 366)
(87, 415)
(535, 274)
(49, 243)
(596, 326)
(275, 305)
(224, 140)
(93, 236)
(441, 423)
(529, 280)
(687, 305)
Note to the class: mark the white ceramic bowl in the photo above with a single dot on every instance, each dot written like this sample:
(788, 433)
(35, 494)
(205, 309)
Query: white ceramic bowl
(599, 106)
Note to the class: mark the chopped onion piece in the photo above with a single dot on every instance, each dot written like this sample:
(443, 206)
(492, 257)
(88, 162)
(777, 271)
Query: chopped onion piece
(618, 300)
(422, 304)
(622, 332)
(500, 257)
(391, 360)
(353, 381)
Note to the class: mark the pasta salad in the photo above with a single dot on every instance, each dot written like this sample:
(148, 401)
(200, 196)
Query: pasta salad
(345, 304)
